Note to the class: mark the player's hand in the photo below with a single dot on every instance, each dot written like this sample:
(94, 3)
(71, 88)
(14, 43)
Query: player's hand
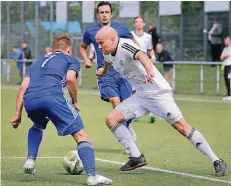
(15, 121)
(149, 77)
(77, 106)
(87, 63)
(100, 72)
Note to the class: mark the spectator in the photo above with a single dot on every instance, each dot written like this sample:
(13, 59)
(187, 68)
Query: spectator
(226, 58)
(17, 55)
(27, 55)
(215, 39)
(155, 37)
(48, 50)
(163, 56)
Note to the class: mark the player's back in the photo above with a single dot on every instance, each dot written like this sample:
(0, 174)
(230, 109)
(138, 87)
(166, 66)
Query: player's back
(48, 75)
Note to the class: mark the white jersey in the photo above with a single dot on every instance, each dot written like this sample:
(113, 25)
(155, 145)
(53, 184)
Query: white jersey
(145, 41)
(131, 69)
(227, 51)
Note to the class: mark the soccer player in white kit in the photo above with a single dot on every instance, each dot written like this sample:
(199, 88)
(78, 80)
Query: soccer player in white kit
(145, 42)
(153, 94)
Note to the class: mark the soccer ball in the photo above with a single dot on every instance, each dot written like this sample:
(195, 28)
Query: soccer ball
(72, 163)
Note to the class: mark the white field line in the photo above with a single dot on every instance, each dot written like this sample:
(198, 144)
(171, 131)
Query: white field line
(177, 98)
(148, 168)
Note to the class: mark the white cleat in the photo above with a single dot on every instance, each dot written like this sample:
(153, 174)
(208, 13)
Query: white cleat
(98, 180)
(29, 166)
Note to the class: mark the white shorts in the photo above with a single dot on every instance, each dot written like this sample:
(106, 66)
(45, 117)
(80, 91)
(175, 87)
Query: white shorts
(162, 106)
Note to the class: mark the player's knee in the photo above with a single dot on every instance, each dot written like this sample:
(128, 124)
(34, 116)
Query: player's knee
(110, 121)
(80, 136)
(182, 127)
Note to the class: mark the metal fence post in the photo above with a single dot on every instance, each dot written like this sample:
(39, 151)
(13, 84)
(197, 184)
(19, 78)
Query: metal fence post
(51, 21)
(202, 79)
(36, 30)
(181, 37)
(22, 20)
(218, 80)
(205, 44)
(8, 40)
(174, 78)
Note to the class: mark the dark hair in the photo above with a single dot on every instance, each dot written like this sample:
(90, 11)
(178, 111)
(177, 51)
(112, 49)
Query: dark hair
(103, 3)
(138, 17)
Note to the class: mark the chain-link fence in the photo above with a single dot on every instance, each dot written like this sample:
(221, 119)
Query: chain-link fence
(182, 34)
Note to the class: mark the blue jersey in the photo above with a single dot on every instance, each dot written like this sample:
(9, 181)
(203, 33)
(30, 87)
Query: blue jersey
(48, 75)
(89, 37)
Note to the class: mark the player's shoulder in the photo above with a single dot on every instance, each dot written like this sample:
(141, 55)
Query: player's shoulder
(147, 35)
(124, 41)
(93, 28)
(118, 25)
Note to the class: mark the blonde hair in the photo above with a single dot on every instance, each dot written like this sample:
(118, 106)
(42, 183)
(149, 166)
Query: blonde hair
(61, 42)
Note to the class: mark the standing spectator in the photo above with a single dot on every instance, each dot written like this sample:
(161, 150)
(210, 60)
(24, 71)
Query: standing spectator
(226, 58)
(215, 39)
(155, 37)
(27, 55)
(17, 55)
(162, 56)
(48, 50)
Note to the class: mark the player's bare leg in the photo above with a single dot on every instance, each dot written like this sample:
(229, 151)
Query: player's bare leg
(114, 123)
(199, 141)
(116, 101)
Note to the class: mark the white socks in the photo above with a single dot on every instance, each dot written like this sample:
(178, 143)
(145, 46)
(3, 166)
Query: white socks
(199, 141)
(124, 137)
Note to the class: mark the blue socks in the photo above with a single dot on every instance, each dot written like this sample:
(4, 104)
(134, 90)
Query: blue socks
(35, 135)
(87, 155)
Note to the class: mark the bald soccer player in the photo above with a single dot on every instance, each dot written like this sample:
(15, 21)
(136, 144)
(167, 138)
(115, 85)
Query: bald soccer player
(153, 94)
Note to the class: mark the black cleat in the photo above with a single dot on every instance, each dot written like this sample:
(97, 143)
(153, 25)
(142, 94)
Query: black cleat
(134, 163)
(220, 167)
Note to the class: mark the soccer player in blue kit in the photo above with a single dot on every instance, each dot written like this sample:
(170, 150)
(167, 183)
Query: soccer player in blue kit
(113, 87)
(42, 95)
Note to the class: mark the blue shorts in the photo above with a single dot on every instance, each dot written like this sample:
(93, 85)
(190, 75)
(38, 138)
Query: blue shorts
(114, 86)
(59, 110)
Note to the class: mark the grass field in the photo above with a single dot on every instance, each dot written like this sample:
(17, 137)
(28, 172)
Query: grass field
(162, 146)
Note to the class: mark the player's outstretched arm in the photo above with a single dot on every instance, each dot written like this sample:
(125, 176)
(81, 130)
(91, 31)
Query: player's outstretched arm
(83, 53)
(72, 87)
(143, 58)
(16, 120)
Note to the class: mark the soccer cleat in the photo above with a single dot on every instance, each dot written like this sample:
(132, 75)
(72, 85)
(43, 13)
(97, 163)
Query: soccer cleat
(29, 166)
(134, 162)
(98, 180)
(152, 119)
(220, 167)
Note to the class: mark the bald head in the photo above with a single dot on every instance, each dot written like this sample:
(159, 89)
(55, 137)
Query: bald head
(107, 32)
(107, 38)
